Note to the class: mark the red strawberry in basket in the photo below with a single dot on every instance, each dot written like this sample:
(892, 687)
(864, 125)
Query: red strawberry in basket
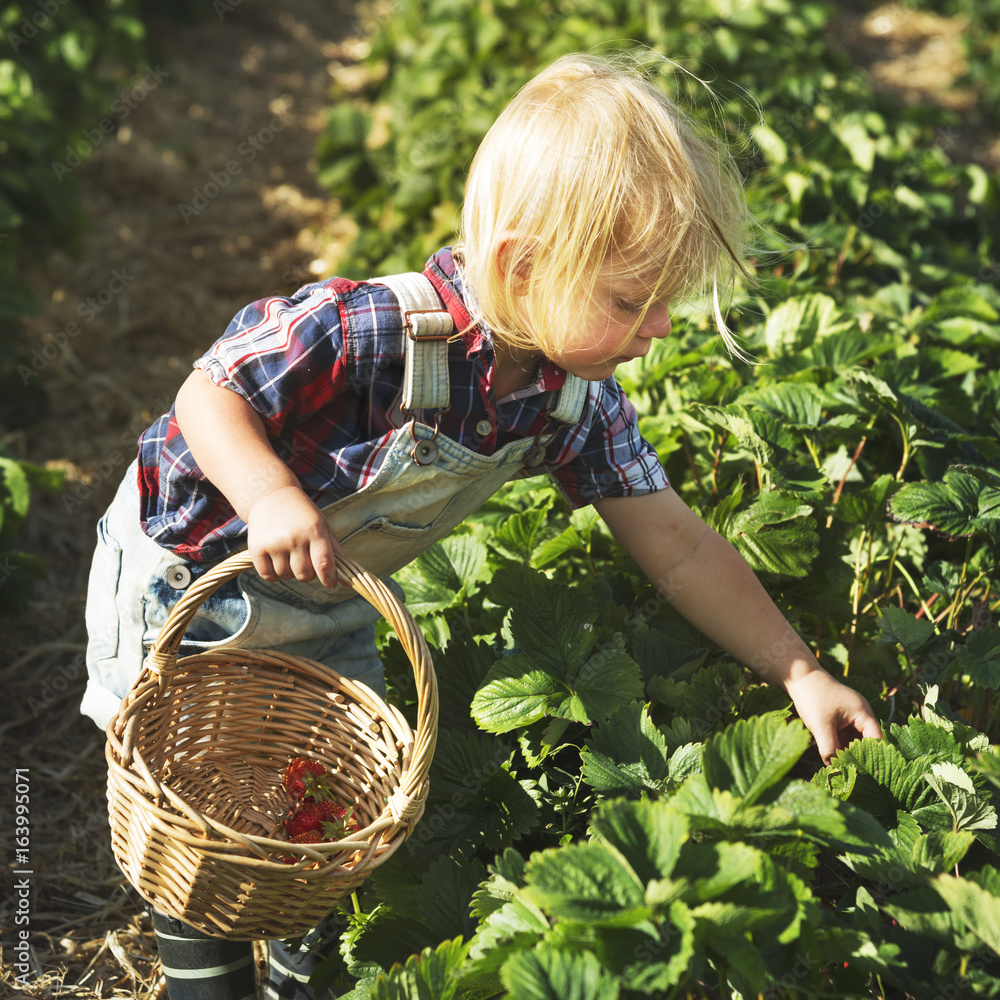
(305, 777)
(308, 818)
(306, 837)
(336, 819)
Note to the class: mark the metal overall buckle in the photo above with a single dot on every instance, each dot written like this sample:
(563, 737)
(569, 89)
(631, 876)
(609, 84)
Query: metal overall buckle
(535, 455)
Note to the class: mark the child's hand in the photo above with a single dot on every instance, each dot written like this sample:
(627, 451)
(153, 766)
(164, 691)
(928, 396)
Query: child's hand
(834, 713)
(288, 537)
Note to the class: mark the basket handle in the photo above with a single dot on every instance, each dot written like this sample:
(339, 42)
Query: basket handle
(162, 658)
(166, 648)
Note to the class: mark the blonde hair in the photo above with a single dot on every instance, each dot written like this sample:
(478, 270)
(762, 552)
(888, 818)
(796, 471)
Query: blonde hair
(591, 165)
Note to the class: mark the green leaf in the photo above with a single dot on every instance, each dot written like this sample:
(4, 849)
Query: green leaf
(968, 809)
(853, 133)
(555, 626)
(550, 973)
(516, 693)
(655, 960)
(899, 625)
(786, 551)
(959, 506)
(937, 713)
(910, 857)
(886, 781)
(626, 753)
(511, 582)
(15, 491)
(433, 975)
(771, 144)
(585, 882)
(606, 682)
(922, 911)
(523, 532)
(977, 908)
(648, 836)
(919, 739)
(445, 893)
(980, 658)
(444, 575)
(461, 668)
(800, 321)
(713, 870)
(474, 801)
(752, 755)
(797, 405)
(827, 820)
(506, 877)
(866, 506)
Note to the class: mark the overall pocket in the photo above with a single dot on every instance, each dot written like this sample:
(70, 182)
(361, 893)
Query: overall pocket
(101, 613)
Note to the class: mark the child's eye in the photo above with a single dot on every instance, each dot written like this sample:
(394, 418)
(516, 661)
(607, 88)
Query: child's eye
(632, 308)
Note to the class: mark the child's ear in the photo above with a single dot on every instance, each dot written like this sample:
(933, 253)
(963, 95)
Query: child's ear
(513, 263)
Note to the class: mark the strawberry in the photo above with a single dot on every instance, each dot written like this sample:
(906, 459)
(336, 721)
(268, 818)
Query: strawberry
(306, 819)
(305, 837)
(303, 777)
(337, 821)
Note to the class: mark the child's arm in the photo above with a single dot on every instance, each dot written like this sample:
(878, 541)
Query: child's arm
(287, 536)
(713, 587)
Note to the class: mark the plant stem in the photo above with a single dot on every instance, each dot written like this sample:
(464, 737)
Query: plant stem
(957, 604)
(690, 461)
(715, 465)
(855, 600)
(916, 593)
(906, 448)
(843, 478)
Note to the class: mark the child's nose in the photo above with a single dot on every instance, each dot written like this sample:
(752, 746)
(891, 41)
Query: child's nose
(657, 321)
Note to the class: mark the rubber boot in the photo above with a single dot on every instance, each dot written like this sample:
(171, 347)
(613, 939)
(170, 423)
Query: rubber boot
(199, 967)
(290, 969)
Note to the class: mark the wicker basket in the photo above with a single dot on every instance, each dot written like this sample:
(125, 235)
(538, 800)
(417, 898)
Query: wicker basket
(196, 756)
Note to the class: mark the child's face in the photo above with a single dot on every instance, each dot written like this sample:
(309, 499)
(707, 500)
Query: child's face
(602, 334)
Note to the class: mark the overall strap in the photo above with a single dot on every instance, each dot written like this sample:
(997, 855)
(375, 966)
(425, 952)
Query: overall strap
(428, 326)
(572, 396)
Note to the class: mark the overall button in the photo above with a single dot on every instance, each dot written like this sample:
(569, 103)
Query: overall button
(425, 452)
(535, 456)
(483, 428)
(377, 523)
(178, 576)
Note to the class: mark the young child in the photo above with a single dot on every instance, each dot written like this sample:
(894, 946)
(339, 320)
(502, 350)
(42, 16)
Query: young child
(371, 418)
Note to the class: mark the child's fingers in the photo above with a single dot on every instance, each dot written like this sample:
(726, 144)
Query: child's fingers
(264, 566)
(323, 557)
(868, 726)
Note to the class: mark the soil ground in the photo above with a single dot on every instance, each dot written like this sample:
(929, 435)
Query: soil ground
(203, 201)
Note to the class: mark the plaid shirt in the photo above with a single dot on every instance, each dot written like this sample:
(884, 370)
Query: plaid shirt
(324, 369)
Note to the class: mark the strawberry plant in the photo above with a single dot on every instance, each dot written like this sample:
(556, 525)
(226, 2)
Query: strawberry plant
(618, 810)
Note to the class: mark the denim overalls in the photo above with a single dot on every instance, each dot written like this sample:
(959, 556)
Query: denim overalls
(426, 486)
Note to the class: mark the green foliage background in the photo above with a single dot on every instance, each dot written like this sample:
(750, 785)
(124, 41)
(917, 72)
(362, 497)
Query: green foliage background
(618, 810)
(61, 63)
